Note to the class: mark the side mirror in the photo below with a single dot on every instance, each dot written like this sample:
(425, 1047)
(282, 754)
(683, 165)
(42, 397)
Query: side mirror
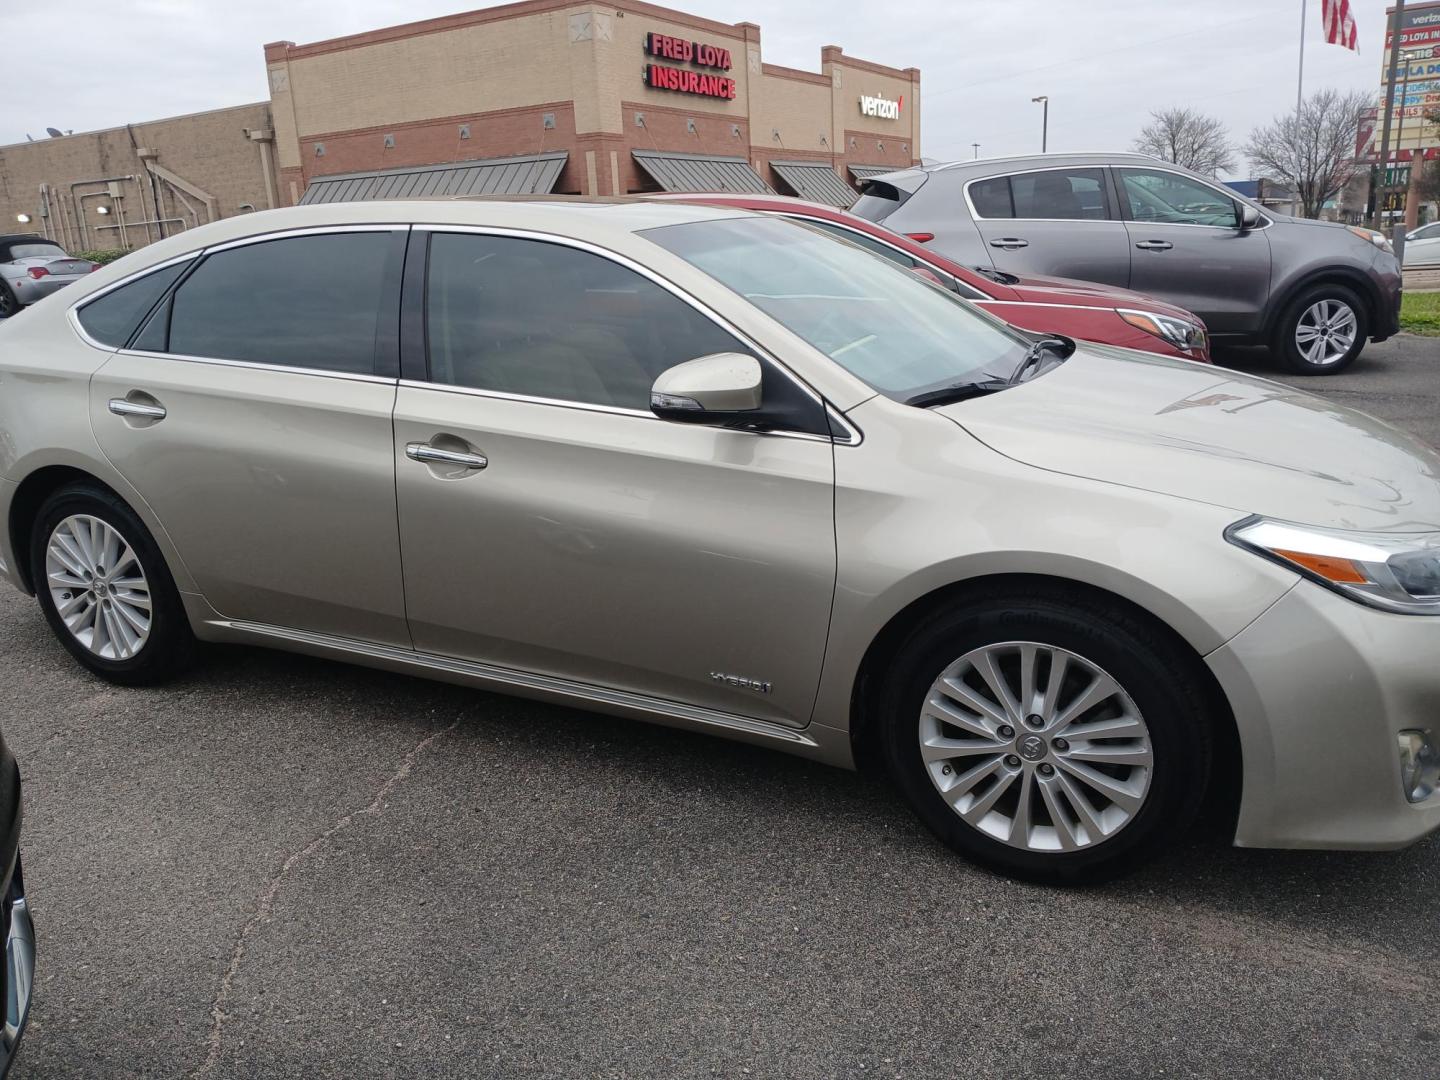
(1249, 217)
(716, 389)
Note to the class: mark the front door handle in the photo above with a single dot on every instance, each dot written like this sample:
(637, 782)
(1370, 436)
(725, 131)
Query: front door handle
(124, 407)
(1154, 245)
(433, 455)
(1009, 242)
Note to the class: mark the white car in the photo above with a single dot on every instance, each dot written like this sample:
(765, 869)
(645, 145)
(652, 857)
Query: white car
(1422, 247)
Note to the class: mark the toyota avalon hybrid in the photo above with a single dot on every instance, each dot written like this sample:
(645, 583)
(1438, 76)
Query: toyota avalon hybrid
(715, 470)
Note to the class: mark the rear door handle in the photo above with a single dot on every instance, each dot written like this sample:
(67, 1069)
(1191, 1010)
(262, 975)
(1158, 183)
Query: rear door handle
(433, 455)
(122, 407)
(1009, 242)
(1154, 245)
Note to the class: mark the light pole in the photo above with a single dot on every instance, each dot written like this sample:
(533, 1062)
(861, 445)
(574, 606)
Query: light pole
(1044, 101)
(976, 147)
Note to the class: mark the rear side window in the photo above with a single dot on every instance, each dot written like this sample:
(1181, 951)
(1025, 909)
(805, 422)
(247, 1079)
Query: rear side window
(305, 302)
(1055, 194)
(113, 318)
(991, 198)
(548, 321)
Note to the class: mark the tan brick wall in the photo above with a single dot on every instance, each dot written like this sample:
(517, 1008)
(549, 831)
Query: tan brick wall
(870, 140)
(797, 106)
(209, 150)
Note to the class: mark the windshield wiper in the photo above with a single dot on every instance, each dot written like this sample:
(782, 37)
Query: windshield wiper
(1053, 344)
(947, 395)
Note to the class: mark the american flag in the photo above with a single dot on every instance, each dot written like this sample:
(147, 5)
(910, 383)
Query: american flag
(1339, 26)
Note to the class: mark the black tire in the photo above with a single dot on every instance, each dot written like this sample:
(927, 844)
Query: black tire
(8, 304)
(1152, 669)
(1287, 349)
(169, 647)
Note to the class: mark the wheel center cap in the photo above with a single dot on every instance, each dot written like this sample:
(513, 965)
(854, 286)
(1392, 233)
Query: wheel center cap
(1032, 747)
(101, 589)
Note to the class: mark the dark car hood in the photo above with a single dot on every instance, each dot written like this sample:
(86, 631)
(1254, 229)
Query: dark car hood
(1213, 436)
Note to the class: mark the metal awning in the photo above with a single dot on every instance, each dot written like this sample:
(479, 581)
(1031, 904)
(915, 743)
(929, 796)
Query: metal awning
(700, 172)
(532, 174)
(816, 181)
(864, 172)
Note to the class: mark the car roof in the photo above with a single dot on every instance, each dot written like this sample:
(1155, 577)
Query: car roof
(747, 199)
(1040, 161)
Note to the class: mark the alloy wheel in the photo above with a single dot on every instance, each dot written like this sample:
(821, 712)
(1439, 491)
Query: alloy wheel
(1036, 747)
(8, 304)
(98, 587)
(1326, 332)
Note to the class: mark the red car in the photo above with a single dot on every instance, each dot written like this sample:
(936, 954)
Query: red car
(1077, 309)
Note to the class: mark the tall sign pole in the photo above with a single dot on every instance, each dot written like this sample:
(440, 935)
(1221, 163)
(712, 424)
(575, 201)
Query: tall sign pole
(1392, 65)
(1300, 79)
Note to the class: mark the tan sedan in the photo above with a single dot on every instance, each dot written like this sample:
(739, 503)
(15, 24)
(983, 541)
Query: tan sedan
(723, 472)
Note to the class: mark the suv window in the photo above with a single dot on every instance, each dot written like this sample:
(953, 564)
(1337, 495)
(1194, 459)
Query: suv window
(112, 318)
(549, 321)
(304, 301)
(1059, 194)
(1167, 198)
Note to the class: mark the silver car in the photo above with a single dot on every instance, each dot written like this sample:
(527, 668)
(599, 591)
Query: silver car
(1313, 291)
(1422, 247)
(31, 267)
(720, 471)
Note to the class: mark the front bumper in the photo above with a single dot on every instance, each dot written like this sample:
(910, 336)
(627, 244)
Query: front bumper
(1321, 686)
(19, 971)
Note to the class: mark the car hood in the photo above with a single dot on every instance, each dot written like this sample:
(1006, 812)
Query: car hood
(1048, 290)
(1212, 436)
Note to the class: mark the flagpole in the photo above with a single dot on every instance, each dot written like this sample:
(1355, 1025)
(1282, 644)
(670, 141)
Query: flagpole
(1300, 80)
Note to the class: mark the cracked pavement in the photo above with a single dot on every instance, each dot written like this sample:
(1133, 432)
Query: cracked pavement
(282, 867)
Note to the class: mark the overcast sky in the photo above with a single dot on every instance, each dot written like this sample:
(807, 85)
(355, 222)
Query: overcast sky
(1104, 63)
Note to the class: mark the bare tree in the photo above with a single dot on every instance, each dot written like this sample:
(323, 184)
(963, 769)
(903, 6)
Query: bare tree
(1312, 151)
(1188, 138)
(1429, 170)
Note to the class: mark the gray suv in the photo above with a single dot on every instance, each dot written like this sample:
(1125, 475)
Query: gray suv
(1313, 291)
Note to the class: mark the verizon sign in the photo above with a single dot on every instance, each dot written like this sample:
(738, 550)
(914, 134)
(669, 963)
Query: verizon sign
(880, 107)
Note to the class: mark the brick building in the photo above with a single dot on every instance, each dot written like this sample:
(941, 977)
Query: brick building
(531, 97)
(152, 179)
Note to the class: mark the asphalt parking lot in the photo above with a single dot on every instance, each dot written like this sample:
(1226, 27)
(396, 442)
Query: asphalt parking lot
(281, 867)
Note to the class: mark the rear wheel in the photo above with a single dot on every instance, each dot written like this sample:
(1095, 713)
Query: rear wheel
(105, 589)
(8, 304)
(1322, 331)
(1045, 738)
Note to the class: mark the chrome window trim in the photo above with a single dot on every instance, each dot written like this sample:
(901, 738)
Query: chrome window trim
(646, 272)
(1233, 196)
(970, 205)
(962, 286)
(257, 365)
(73, 314)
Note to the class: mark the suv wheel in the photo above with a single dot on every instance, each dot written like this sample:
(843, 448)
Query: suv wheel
(1322, 331)
(105, 590)
(1046, 738)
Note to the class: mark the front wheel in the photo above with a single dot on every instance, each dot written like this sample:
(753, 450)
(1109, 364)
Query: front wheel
(105, 590)
(1047, 738)
(1322, 331)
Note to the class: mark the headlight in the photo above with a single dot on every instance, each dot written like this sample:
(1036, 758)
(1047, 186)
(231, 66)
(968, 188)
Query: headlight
(1379, 239)
(1399, 573)
(1184, 335)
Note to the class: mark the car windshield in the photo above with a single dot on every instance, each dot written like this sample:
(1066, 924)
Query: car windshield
(887, 326)
(36, 251)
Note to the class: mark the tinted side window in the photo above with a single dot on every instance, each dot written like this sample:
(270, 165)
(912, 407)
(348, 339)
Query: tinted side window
(1168, 198)
(869, 243)
(307, 302)
(548, 321)
(1068, 194)
(991, 198)
(112, 319)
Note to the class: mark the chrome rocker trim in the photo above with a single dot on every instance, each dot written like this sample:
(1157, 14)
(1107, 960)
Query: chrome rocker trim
(546, 687)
